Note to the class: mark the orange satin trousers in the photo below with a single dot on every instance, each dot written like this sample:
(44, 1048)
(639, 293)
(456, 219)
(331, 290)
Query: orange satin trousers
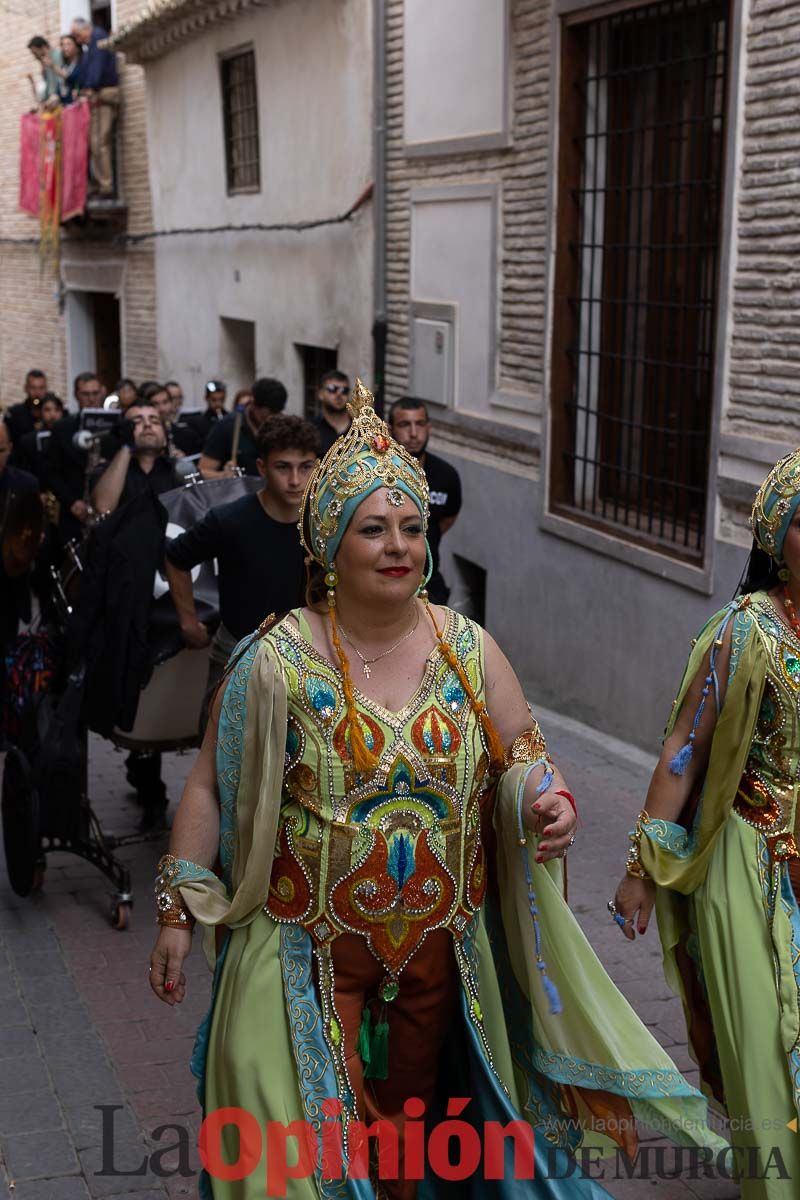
(418, 1018)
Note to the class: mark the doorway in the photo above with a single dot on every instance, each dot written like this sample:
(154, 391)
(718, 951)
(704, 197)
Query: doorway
(315, 361)
(93, 335)
(237, 353)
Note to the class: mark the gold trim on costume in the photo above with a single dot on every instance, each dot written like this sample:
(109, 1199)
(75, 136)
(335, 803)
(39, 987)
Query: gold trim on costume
(170, 908)
(528, 747)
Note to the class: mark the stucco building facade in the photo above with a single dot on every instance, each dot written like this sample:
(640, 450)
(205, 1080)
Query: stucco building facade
(97, 310)
(260, 115)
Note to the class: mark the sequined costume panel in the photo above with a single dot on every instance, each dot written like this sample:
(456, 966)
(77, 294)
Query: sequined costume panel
(767, 795)
(394, 854)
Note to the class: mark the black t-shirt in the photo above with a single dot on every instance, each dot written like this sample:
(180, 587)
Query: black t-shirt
(186, 437)
(161, 478)
(327, 434)
(219, 444)
(20, 420)
(202, 422)
(261, 561)
(445, 488)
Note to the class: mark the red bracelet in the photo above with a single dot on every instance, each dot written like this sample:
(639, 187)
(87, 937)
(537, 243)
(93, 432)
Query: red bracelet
(567, 796)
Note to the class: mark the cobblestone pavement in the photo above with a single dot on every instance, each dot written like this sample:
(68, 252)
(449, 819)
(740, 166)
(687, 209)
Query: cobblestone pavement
(79, 1027)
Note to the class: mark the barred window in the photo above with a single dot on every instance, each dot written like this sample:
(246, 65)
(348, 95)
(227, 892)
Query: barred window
(640, 176)
(240, 115)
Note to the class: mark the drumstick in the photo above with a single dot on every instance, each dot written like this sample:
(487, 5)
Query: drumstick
(237, 430)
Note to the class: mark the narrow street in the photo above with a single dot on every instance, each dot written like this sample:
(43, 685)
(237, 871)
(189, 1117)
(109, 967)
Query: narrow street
(82, 1038)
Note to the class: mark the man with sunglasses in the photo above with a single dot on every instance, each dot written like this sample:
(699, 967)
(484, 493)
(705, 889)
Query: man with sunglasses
(334, 419)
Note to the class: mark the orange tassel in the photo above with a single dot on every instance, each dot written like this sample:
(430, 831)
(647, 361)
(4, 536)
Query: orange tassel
(494, 744)
(363, 758)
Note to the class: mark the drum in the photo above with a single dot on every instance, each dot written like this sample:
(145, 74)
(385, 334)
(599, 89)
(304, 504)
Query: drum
(66, 580)
(168, 716)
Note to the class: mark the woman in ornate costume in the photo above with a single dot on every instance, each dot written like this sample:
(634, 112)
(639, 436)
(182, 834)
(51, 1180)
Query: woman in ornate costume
(387, 882)
(715, 850)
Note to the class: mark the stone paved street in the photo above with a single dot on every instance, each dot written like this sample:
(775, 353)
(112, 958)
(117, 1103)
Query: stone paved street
(79, 1027)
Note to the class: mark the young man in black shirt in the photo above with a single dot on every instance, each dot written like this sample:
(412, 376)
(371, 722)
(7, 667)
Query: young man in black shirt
(261, 565)
(411, 427)
(334, 419)
(216, 461)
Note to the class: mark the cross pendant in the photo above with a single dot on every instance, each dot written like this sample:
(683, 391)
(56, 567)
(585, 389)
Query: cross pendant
(366, 670)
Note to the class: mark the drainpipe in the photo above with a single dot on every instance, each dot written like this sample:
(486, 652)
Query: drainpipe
(379, 200)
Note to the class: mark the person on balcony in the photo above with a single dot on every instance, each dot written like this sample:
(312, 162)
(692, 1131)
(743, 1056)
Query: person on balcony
(100, 82)
(70, 74)
(45, 91)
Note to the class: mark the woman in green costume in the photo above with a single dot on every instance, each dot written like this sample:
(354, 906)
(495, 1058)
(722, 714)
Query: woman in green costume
(715, 850)
(382, 863)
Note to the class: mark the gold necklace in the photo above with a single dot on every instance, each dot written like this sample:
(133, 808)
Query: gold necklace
(366, 663)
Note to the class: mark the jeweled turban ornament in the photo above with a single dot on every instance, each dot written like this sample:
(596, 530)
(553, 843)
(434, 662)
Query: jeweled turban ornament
(358, 463)
(776, 502)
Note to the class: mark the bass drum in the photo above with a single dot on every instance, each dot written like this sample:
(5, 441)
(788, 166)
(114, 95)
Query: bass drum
(168, 716)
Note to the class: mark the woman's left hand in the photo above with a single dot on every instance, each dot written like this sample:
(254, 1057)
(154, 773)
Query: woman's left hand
(550, 815)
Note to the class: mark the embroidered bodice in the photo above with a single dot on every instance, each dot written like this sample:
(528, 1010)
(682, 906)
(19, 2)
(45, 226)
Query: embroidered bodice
(768, 794)
(396, 853)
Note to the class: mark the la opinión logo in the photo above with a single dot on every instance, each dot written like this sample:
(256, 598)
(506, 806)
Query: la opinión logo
(453, 1149)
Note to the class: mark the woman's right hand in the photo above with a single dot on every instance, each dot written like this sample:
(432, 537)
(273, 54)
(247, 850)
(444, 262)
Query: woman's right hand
(166, 962)
(634, 896)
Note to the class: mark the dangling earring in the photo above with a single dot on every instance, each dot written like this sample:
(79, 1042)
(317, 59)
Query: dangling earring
(331, 580)
(783, 574)
(422, 590)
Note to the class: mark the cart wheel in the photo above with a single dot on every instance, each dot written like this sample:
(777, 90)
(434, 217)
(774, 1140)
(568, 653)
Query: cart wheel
(20, 809)
(121, 915)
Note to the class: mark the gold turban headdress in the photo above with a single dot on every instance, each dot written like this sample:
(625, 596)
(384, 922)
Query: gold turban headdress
(775, 504)
(358, 463)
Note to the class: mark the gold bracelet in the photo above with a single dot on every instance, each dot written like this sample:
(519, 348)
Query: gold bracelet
(633, 861)
(170, 908)
(528, 747)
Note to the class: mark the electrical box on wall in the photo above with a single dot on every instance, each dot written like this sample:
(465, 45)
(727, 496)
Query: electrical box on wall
(432, 352)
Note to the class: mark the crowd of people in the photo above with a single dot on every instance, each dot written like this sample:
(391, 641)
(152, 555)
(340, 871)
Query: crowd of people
(153, 447)
(82, 66)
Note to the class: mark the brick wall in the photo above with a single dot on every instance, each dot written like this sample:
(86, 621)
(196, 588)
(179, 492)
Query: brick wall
(764, 397)
(522, 173)
(32, 329)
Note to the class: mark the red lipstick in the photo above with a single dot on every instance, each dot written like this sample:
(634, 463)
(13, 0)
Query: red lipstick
(395, 572)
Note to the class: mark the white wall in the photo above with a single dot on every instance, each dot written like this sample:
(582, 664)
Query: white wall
(455, 62)
(453, 239)
(315, 127)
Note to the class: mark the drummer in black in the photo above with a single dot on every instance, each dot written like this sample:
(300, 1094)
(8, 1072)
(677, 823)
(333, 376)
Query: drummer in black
(216, 461)
(203, 422)
(255, 542)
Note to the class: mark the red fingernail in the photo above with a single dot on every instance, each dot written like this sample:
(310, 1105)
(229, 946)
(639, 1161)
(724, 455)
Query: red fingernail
(536, 807)
(642, 928)
(539, 858)
(169, 985)
(543, 846)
